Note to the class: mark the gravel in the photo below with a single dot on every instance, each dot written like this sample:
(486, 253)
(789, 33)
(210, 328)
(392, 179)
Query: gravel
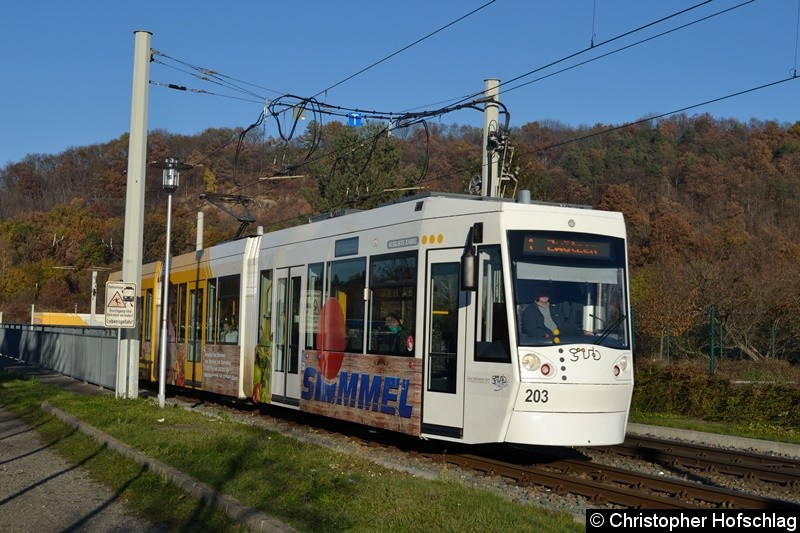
(570, 504)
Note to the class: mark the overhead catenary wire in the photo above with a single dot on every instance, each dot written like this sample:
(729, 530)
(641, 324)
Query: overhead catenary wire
(605, 131)
(796, 39)
(410, 119)
(431, 34)
(280, 105)
(616, 51)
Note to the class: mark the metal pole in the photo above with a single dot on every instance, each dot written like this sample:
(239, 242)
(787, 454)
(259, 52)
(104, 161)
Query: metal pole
(162, 361)
(711, 362)
(127, 372)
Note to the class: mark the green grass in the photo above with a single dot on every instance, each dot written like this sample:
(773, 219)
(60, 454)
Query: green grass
(751, 430)
(311, 488)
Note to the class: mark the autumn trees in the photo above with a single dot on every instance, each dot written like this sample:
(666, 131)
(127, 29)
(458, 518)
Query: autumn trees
(711, 209)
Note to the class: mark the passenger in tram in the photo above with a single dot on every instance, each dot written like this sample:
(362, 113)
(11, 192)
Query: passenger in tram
(394, 341)
(541, 319)
(229, 332)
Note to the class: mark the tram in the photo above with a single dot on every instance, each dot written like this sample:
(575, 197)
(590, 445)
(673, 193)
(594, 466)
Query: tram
(413, 317)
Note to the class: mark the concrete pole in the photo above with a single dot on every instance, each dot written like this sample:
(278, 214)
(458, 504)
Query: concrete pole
(94, 297)
(490, 182)
(199, 239)
(128, 359)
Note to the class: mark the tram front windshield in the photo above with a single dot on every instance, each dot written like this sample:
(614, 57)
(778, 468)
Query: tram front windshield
(569, 288)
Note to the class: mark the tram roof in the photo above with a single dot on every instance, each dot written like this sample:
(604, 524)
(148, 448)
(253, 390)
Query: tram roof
(446, 195)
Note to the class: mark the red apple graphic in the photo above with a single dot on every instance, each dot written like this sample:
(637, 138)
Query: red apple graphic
(331, 338)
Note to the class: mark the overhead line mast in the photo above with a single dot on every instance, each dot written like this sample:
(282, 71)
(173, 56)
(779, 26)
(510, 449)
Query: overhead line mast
(491, 115)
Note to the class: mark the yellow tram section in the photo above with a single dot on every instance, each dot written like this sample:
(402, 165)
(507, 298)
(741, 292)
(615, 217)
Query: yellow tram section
(187, 320)
(189, 275)
(149, 326)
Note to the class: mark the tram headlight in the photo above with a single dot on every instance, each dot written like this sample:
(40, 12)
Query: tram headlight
(531, 362)
(622, 367)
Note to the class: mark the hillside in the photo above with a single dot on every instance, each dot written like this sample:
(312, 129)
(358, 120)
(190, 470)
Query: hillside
(710, 206)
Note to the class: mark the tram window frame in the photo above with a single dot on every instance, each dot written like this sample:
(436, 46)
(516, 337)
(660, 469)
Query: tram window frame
(346, 280)
(147, 315)
(211, 311)
(194, 305)
(177, 300)
(443, 361)
(265, 290)
(228, 295)
(315, 289)
(392, 282)
(491, 325)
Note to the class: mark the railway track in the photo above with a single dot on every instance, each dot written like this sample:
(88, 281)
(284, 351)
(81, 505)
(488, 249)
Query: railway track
(697, 458)
(573, 471)
(609, 485)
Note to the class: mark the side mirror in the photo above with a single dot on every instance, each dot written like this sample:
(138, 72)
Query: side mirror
(469, 278)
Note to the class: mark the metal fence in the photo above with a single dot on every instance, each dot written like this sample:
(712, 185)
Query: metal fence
(85, 353)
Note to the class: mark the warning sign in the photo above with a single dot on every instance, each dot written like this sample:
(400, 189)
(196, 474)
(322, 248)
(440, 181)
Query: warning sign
(120, 305)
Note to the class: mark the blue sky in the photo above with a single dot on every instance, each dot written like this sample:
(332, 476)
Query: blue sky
(67, 66)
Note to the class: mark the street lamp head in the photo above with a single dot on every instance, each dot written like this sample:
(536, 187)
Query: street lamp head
(171, 174)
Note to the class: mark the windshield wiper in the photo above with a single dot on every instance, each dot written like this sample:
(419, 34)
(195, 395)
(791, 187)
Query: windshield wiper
(609, 328)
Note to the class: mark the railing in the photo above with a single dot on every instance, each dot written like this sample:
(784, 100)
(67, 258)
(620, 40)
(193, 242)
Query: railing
(85, 353)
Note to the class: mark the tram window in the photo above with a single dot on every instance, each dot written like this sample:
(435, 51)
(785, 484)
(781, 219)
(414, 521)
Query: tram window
(346, 283)
(147, 315)
(491, 342)
(442, 359)
(313, 303)
(393, 281)
(211, 314)
(195, 324)
(228, 309)
(264, 348)
(177, 302)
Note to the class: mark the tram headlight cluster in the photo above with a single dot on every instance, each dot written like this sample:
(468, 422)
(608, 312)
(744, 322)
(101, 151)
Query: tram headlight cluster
(531, 362)
(622, 366)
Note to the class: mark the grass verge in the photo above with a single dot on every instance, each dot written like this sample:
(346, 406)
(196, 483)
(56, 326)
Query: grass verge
(311, 488)
(751, 429)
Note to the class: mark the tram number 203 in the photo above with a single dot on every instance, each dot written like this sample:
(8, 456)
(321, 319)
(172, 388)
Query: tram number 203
(536, 396)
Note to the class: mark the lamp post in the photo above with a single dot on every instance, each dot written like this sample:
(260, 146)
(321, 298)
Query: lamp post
(171, 174)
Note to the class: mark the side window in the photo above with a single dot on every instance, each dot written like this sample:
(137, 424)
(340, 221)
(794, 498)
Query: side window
(346, 283)
(313, 303)
(211, 313)
(442, 359)
(147, 315)
(392, 280)
(177, 300)
(228, 310)
(491, 341)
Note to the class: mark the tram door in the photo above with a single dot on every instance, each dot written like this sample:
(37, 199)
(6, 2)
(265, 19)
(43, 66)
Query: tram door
(193, 369)
(446, 309)
(286, 383)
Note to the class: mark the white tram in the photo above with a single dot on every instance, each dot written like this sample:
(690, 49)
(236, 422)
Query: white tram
(412, 317)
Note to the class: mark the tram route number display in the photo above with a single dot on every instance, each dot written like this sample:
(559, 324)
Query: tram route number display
(536, 396)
